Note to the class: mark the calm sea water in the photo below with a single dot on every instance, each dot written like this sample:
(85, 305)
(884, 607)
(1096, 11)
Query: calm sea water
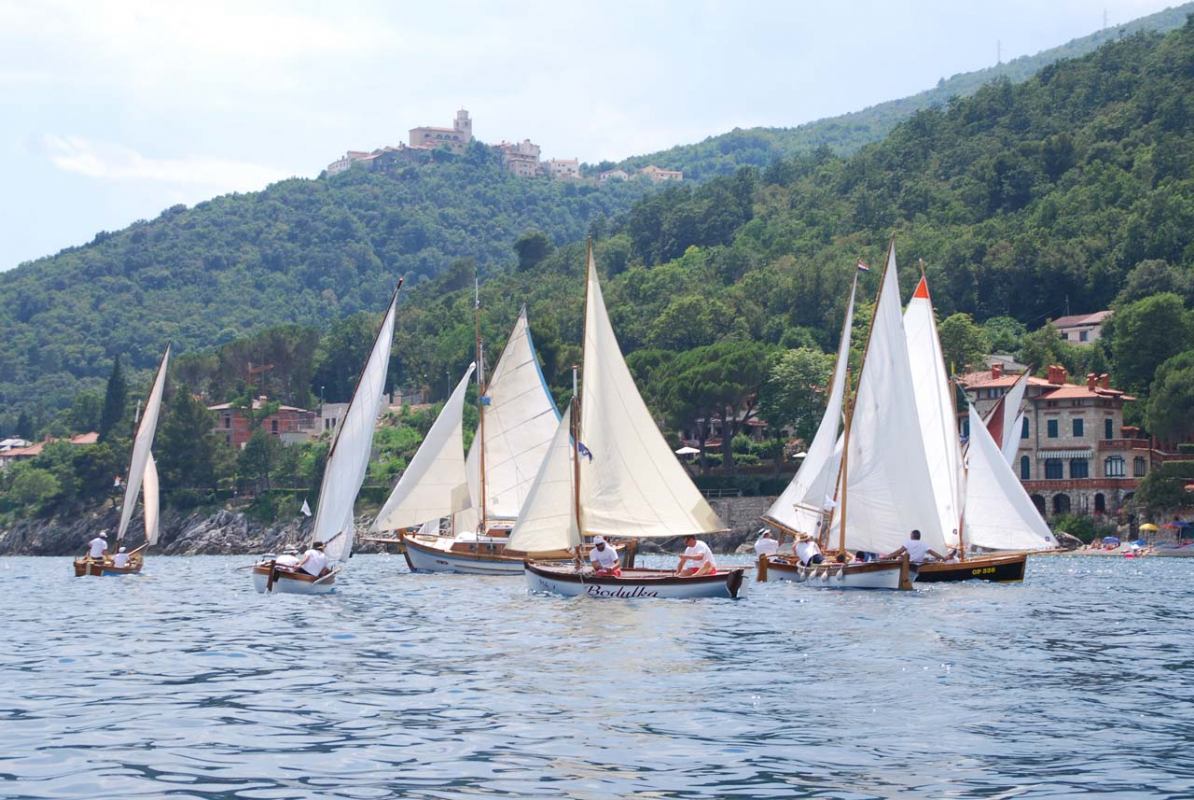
(186, 683)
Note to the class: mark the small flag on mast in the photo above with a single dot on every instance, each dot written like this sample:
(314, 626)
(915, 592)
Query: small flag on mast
(863, 267)
(584, 451)
(306, 509)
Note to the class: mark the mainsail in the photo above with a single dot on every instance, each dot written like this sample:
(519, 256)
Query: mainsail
(348, 458)
(434, 484)
(800, 507)
(999, 514)
(935, 407)
(520, 419)
(149, 501)
(142, 444)
(631, 483)
(888, 493)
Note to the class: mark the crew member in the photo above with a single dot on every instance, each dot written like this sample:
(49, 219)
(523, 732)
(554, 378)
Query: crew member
(604, 558)
(766, 545)
(314, 562)
(97, 548)
(697, 559)
(121, 559)
(807, 551)
(918, 551)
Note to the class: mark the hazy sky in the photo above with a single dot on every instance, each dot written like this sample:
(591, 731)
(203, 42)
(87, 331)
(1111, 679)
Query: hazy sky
(112, 111)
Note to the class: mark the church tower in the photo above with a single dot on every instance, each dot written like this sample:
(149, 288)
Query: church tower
(464, 125)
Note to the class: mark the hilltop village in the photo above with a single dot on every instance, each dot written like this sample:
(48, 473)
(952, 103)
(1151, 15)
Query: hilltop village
(521, 159)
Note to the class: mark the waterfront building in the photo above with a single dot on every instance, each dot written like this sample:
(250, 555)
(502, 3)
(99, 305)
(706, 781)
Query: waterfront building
(289, 424)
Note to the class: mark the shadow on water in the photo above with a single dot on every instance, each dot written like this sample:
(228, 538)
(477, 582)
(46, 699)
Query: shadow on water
(185, 682)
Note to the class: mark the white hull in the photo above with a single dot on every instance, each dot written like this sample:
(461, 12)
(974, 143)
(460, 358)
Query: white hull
(833, 576)
(424, 557)
(634, 584)
(289, 583)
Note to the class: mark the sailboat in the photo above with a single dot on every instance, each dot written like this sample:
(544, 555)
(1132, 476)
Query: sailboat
(1005, 419)
(976, 498)
(348, 460)
(143, 480)
(609, 472)
(479, 497)
(874, 476)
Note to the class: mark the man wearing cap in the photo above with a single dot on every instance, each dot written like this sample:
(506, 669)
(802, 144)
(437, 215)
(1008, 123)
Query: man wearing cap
(121, 559)
(766, 545)
(697, 559)
(604, 558)
(808, 552)
(314, 562)
(97, 548)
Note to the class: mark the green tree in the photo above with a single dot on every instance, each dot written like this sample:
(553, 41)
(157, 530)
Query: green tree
(33, 486)
(86, 412)
(963, 342)
(1004, 334)
(115, 399)
(256, 461)
(1145, 334)
(341, 355)
(185, 445)
(796, 390)
(1171, 399)
(532, 247)
(25, 426)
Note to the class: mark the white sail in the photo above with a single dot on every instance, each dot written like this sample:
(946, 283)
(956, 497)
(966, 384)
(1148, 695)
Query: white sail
(548, 518)
(1011, 444)
(631, 483)
(434, 484)
(935, 408)
(348, 458)
(149, 501)
(520, 419)
(889, 493)
(800, 506)
(142, 443)
(1005, 419)
(999, 515)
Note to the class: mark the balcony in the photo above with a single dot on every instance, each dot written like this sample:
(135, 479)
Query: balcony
(1123, 444)
(1079, 484)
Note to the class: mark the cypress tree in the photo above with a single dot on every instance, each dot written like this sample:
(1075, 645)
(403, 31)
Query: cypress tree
(115, 399)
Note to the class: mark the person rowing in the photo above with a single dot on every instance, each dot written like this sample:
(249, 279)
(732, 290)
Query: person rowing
(97, 548)
(918, 551)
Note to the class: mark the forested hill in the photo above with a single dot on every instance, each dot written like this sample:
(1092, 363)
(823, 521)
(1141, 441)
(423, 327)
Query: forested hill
(845, 134)
(304, 251)
(1072, 189)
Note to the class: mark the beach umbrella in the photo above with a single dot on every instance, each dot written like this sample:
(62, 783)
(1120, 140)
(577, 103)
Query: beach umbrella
(1148, 526)
(687, 451)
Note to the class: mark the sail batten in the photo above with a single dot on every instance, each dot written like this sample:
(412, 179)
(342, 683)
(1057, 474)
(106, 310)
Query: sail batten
(348, 458)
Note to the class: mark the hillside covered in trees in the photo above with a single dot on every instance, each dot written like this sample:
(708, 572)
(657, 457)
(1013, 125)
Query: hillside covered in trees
(845, 134)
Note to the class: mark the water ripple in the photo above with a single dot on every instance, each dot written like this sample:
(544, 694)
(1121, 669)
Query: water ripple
(185, 683)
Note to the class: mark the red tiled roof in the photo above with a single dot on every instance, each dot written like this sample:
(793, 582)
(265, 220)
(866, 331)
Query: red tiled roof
(1081, 319)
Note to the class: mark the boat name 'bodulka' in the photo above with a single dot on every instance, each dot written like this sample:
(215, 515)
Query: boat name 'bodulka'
(618, 591)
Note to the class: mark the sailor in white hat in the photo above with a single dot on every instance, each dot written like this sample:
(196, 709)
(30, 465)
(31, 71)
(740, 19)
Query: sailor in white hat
(604, 557)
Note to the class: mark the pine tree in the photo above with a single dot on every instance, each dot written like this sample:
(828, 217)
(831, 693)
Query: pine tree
(115, 400)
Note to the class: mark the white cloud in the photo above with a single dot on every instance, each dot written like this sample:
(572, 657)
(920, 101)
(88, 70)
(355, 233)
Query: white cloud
(114, 162)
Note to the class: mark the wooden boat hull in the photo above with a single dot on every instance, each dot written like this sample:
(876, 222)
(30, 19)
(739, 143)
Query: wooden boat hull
(998, 568)
(426, 557)
(633, 584)
(287, 582)
(831, 575)
(85, 566)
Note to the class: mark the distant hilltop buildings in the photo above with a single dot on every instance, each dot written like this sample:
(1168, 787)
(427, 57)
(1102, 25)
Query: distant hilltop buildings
(518, 158)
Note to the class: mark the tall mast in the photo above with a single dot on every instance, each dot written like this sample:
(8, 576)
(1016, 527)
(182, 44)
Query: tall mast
(576, 398)
(481, 387)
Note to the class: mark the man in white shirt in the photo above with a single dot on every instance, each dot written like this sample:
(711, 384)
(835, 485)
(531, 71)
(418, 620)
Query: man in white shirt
(766, 545)
(918, 551)
(121, 559)
(808, 552)
(697, 559)
(604, 558)
(314, 562)
(97, 548)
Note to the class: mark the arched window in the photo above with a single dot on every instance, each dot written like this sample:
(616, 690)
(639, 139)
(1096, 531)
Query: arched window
(1113, 467)
(1039, 502)
(1024, 429)
(1100, 503)
(1061, 504)
(1138, 467)
(1025, 468)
